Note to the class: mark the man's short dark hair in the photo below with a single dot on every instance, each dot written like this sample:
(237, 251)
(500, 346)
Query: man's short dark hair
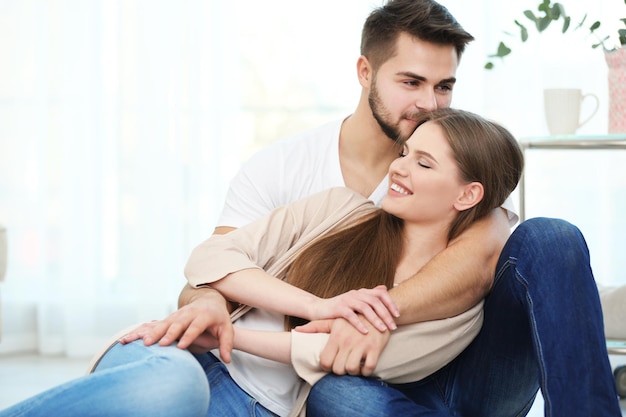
(426, 20)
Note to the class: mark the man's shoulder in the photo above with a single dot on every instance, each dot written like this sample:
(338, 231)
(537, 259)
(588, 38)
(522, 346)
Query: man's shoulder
(301, 160)
(313, 140)
(283, 172)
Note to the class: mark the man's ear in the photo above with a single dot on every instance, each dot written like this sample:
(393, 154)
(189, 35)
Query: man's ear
(364, 71)
(471, 195)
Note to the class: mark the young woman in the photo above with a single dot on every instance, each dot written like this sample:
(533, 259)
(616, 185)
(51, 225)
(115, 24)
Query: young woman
(303, 262)
(453, 170)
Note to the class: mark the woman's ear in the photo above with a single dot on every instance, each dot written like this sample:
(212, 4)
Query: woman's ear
(471, 195)
(364, 71)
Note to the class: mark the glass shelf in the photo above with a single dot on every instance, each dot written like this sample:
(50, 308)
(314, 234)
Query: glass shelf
(614, 141)
(573, 142)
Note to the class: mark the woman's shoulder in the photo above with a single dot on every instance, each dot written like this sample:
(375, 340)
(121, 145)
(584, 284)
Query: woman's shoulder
(332, 206)
(337, 197)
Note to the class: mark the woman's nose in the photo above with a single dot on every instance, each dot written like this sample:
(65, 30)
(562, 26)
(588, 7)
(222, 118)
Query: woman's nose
(398, 166)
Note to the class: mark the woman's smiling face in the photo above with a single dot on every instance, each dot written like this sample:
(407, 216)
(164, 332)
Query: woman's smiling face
(424, 182)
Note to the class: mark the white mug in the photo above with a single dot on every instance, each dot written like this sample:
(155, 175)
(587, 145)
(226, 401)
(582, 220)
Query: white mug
(562, 109)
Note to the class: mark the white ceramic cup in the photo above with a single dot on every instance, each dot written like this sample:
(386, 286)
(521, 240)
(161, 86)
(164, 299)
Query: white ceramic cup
(562, 109)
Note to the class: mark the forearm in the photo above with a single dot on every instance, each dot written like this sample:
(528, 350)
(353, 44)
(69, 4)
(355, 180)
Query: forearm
(458, 277)
(255, 294)
(189, 294)
(275, 346)
(256, 288)
(411, 353)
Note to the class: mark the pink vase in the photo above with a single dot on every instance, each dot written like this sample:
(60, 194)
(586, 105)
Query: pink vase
(616, 61)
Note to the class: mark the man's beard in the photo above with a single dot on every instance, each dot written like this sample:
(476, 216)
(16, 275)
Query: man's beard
(381, 115)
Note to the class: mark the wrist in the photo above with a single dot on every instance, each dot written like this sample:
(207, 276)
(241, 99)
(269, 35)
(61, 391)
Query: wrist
(312, 308)
(204, 294)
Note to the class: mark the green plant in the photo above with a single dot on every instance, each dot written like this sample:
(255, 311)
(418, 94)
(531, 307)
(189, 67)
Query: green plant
(551, 13)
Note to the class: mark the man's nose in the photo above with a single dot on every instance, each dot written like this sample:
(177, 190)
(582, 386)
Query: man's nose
(427, 101)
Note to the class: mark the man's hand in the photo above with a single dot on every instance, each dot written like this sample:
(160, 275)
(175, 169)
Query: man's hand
(200, 325)
(348, 351)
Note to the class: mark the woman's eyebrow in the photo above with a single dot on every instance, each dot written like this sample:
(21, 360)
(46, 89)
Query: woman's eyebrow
(428, 155)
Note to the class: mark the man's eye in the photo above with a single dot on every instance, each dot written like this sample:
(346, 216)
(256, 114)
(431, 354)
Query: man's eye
(445, 87)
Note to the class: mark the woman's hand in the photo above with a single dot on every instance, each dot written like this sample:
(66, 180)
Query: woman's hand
(374, 304)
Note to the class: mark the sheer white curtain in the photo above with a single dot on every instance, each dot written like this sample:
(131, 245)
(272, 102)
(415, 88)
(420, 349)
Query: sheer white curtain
(122, 121)
(115, 137)
(121, 124)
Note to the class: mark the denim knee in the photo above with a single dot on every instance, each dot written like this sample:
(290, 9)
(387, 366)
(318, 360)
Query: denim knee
(156, 378)
(545, 247)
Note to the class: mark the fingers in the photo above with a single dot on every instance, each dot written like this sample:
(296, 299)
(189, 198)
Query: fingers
(203, 343)
(381, 309)
(368, 365)
(186, 332)
(343, 337)
(221, 331)
(226, 342)
(354, 320)
(328, 356)
(137, 333)
(375, 305)
(347, 360)
(349, 352)
(316, 326)
(385, 297)
(198, 325)
(168, 331)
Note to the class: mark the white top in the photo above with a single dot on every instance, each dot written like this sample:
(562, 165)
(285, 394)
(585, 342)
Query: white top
(292, 169)
(286, 171)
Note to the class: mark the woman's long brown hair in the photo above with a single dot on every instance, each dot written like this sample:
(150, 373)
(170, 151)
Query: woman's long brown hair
(366, 254)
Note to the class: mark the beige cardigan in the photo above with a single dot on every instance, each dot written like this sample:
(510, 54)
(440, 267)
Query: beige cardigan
(272, 243)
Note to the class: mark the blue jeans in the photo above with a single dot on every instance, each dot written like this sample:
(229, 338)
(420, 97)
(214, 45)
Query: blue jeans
(156, 381)
(543, 329)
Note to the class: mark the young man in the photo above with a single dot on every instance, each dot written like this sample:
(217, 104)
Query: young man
(543, 323)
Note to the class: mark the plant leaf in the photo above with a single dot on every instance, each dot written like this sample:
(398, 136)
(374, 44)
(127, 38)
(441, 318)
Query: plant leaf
(555, 11)
(544, 6)
(543, 23)
(503, 50)
(523, 31)
(566, 22)
(489, 65)
(595, 26)
(531, 16)
(622, 36)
